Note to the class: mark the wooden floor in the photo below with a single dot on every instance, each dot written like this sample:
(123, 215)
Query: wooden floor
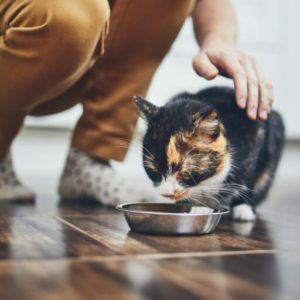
(82, 251)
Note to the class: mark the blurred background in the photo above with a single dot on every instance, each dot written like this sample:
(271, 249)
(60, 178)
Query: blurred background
(268, 29)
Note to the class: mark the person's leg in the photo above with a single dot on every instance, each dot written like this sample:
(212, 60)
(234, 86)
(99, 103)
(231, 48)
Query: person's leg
(45, 47)
(141, 33)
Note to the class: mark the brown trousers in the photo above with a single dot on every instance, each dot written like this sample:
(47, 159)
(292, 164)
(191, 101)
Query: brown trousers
(52, 57)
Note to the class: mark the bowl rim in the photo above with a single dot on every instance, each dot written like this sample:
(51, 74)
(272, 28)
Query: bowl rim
(121, 207)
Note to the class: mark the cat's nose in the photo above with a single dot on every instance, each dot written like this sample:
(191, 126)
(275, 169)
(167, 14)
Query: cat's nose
(171, 196)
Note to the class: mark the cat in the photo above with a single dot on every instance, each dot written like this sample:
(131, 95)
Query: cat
(202, 146)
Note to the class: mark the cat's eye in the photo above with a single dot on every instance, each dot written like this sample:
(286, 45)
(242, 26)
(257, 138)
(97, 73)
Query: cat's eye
(188, 179)
(194, 178)
(184, 176)
(175, 168)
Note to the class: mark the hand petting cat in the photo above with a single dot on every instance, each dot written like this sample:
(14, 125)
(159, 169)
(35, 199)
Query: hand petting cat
(253, 91)
(215, 29)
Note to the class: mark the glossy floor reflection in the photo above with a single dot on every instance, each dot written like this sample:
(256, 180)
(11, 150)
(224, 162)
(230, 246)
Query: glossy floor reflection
(54, 250)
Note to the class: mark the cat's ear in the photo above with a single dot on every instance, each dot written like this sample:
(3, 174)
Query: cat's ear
(208, 124)
(146, 110)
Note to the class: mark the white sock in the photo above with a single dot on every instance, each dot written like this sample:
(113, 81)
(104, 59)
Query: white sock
(11, 189)
(85, 177)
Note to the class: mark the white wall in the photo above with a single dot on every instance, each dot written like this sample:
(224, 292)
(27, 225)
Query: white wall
(267, 28)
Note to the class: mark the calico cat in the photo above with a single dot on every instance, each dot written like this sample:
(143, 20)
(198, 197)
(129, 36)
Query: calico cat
(203, 147)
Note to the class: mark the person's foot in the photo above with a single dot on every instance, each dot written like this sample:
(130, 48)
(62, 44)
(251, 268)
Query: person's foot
(86, 177)
(11, 189)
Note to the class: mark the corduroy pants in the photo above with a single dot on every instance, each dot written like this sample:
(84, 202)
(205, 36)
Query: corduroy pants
(58, 53)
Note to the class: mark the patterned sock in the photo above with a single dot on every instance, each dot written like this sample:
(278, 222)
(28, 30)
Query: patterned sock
(86, 177)
(11, 189)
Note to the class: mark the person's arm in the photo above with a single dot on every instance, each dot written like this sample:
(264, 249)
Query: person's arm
(215, 30)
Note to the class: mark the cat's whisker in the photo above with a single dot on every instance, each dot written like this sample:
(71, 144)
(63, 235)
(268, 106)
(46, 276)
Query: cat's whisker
(209, 191)
(222, 190)
(202, 202)
(123, 146)
(213, 196)
(192, 177)
(218, 198)
(216, 190)
(150, 165)
(240, 186)
(232, 185)
(196, 200)
(148, 161)
(233, 166)
(139, 144)
(149, 158)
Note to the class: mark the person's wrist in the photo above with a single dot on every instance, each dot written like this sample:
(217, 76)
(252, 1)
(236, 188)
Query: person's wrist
(214, 40)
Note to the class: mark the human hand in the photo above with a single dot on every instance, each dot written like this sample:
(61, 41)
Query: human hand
(252, 90)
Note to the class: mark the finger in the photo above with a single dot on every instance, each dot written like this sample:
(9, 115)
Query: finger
(241, 90)
(271, 95)
(204, 67)
(264, 93)
(253, 89)
(231, 66)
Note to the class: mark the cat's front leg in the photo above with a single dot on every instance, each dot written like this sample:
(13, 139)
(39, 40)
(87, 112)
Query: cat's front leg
(240, 200)
(242, 211)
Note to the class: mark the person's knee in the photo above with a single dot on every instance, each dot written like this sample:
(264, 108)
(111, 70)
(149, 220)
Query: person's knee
(67, 31)
(77, 24)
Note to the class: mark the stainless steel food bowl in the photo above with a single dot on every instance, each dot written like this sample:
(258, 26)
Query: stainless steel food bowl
(171, 219)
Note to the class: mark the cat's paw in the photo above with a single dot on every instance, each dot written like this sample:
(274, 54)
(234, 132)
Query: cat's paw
(243, 212)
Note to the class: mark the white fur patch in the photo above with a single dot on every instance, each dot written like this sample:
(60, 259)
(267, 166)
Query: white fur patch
(217, 179)
(243, 212)
(168, 186)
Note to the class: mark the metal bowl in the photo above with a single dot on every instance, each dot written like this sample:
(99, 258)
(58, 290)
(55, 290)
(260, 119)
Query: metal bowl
(171, 219)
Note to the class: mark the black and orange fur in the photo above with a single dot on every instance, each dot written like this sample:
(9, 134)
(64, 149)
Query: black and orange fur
(194, 136)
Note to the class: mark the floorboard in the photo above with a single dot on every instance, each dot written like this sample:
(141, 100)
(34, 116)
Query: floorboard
(260, 277)
(64, 250)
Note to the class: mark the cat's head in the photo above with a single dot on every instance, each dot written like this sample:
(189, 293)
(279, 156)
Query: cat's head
(185, 149)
